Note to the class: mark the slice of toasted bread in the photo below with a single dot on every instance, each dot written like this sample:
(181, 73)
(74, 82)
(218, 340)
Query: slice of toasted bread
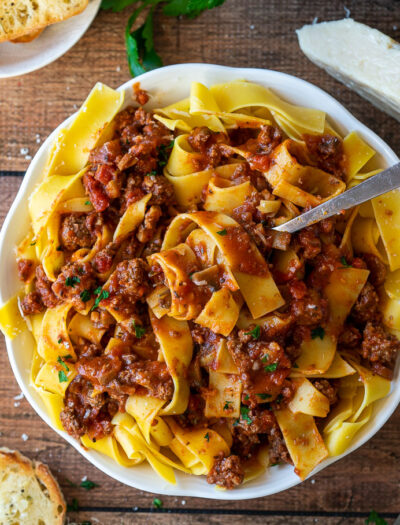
(19, 17)
(28, 492)
(28, 37)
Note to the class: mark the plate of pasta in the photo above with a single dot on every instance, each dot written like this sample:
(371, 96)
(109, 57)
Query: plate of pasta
(156, 321)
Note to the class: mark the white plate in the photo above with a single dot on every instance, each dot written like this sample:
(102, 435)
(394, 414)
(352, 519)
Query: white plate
(167, 85)
(56, 39)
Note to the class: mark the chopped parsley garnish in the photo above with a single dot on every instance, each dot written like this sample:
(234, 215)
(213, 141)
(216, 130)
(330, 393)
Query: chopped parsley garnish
(101, 294)
(279, 398)
(264, 396)
(33, 243)
(88, 203)
(226, 406)
(62, 363)
(59, 341)
(344, 262)
(375, 518)
(317, 332)
(152, 173)
(246, 397)
(163, 154)
(207, 437)
(88, 485)
(271, 368)
(244, 414)
(265, 358)
(85, 296)
(139, 330)
(72, 281)
(59, 248)
(62, 378)
(222, 232)
(255, 333)
(74, 506)
(157, 503)
(295, 365)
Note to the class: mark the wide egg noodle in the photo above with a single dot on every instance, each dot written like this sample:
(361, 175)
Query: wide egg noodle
(258, 288)
(131, 219)
(144, 410)
(357, 153)
(236, 95)
(342, 290)
(220, 313)
(227, 391)
(176, 346)
(387, 215)
(54, 339)
(308, 399)
(197, 448)
(88, 129)
(310, 450)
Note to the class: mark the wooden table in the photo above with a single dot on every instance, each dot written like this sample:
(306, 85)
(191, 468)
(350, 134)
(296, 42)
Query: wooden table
(254, 33)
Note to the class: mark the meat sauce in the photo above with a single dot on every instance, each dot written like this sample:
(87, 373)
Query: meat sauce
(121, 172)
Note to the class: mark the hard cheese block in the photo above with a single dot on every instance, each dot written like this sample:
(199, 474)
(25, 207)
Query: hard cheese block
(364, 59)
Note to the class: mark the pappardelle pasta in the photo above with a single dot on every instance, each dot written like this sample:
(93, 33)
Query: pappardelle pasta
(172, 324)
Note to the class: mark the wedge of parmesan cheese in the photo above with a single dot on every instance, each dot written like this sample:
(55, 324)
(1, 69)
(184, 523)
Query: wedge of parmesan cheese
(364, 59)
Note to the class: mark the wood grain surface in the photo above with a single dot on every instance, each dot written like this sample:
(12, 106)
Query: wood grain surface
(253, 33)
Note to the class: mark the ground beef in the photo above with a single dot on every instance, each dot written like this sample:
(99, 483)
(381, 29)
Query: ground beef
(44, 288)
(194, 417)
(109, 153)
(103, 260)
(141, 96)
(96, 192)
(150, 375)
(327, 388)
(311, 310)
(249, 428)
(322, 267)
(102, 319)
(263, 365)
(327, 152)
(74, 279)
(377, 269)
(366, 307)
(128, 283)
(350, 337)
(161, 189)
(148, 227)
(227, 472)
(380, 348)
(32, 304)
(26, 269)
(309, 242)
(206, 142)
(268, 139)
(87, 412)
(278, 451)
(74, 233)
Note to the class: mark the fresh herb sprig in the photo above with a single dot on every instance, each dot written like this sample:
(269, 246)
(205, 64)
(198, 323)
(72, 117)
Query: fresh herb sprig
(139, 42)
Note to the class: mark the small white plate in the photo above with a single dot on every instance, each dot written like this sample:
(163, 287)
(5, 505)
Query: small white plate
(56, 39)
(168, 85)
